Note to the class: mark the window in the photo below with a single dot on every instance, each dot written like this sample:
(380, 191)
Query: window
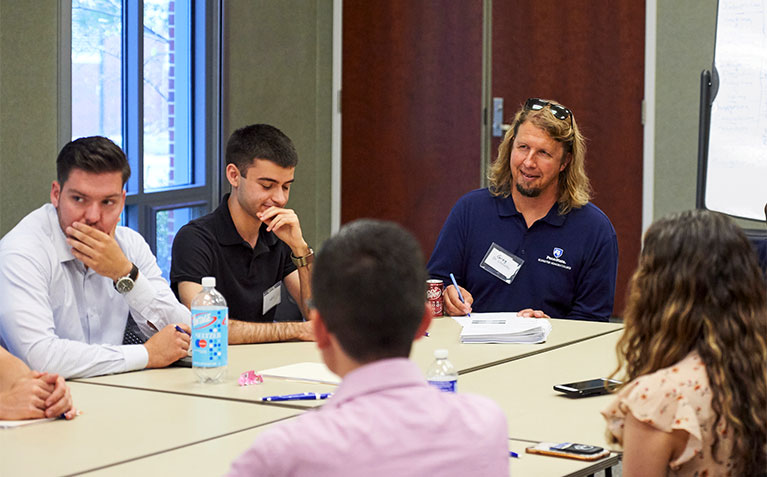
(143, 74)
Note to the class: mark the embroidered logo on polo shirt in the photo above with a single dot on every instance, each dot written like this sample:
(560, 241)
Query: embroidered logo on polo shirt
(556, 260)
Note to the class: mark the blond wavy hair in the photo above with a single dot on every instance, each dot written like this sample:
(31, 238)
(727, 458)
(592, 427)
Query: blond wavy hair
(698, 288)
(574, 186)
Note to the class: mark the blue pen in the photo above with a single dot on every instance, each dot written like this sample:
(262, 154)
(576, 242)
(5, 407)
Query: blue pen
(298, 397)
(460, 295)
(182, 330)
(513, 454)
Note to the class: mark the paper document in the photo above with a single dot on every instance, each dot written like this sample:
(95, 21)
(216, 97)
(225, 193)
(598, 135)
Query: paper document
(503, 328)
(26, 422)
(311, 372)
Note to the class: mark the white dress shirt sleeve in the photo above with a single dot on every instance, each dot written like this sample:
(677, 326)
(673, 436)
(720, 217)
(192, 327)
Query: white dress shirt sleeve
(29, 330)
(151, 299)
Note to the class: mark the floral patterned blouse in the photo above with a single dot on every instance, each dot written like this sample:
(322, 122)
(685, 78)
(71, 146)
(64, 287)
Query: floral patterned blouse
(676, 398)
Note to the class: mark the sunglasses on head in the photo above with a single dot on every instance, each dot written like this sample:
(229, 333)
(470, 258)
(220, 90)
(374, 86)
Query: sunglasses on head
(559, 111)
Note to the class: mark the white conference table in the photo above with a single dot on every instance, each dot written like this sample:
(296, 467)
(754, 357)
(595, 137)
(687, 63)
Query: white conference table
(536, 412)
(119, 425)
(210, 458)
(213, 457)
(181, 422)
(443, 333)
(241, 358)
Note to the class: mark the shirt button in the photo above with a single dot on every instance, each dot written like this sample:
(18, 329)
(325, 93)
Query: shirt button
(522, 251)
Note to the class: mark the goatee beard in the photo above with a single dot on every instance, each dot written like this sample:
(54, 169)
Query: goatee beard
(528, 192)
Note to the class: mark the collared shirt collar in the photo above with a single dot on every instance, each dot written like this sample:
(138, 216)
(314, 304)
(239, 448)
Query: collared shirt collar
(377, 376)
(506, 208)
(63, 250)
(553, 217)
(227, 232)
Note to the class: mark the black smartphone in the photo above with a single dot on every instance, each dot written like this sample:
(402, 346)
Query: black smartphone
(591, 387)
(577, 448)
(569, 450)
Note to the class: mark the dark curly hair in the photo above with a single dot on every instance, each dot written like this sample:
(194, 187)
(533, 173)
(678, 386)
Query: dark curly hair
(698, 288)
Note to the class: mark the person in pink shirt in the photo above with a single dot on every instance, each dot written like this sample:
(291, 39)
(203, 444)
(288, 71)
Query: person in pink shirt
(369, 287)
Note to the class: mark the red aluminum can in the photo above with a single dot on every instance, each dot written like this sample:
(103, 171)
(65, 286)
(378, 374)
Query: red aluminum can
(434, 289)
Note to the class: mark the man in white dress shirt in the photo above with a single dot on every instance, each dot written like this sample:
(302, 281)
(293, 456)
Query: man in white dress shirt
(70, 276)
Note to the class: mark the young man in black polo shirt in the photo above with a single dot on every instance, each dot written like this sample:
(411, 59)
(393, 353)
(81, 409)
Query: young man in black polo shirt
(250, 243)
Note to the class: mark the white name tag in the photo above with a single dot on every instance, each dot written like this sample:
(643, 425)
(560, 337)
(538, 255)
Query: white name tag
(504, 265)
(272, 297)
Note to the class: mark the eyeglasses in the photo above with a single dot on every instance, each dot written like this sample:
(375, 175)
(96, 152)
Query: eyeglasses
(560, 112)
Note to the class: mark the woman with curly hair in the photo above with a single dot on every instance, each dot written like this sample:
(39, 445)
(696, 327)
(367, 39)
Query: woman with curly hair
(694, 353)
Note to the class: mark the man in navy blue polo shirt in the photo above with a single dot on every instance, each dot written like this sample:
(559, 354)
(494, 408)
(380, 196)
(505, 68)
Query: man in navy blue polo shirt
(251, 243)
(531, 242)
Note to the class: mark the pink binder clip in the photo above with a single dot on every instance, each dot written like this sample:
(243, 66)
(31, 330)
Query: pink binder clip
(250, 377)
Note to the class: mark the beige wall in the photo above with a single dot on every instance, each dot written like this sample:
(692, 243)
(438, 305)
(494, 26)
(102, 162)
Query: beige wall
(278, 59)
(28, 106)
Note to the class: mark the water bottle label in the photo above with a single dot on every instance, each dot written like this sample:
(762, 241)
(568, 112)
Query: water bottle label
(210, 337)
(445, 386)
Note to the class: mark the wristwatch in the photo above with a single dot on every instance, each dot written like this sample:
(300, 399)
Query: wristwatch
(125, 284)
(303, 261)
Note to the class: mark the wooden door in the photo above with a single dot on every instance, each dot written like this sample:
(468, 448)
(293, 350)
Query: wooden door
(411, 110)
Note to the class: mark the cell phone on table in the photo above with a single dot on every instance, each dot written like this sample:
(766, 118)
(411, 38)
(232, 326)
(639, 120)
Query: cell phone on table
(591, 387)
(569, 450)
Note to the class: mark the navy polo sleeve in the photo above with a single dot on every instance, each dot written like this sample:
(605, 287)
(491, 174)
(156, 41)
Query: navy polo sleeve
(761, 252)
(595, 290)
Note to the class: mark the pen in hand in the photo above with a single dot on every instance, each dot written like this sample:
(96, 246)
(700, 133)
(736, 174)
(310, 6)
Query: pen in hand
(182, 330)
(460, 295)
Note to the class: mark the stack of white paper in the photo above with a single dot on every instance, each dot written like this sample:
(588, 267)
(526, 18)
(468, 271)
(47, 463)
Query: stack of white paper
(503, 328)
(311, 372)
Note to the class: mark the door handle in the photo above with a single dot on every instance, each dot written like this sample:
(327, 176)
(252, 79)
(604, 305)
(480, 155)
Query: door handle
(499, 128)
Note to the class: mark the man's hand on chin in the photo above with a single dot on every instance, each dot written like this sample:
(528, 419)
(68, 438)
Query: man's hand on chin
(285, 225)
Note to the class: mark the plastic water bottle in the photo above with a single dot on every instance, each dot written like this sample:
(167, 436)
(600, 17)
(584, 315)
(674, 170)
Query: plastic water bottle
(441, 374)
(210, 333)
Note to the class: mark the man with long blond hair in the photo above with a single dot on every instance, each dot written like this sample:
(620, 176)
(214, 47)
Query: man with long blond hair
(531, 242)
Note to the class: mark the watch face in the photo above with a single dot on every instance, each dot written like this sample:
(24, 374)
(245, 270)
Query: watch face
(124, 284)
